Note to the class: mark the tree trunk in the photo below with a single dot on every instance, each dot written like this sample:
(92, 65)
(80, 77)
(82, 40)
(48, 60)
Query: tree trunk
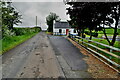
(115, 33)
(90, 34)
(78, 32)
(106, 35)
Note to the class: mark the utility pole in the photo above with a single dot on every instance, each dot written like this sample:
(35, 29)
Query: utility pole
(36, 21)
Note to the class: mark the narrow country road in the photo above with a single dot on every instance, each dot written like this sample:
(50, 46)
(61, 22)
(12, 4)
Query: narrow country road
(44, 56)
(69, 58)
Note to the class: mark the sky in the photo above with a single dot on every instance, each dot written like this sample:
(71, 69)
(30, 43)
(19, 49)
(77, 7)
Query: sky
(29, 11)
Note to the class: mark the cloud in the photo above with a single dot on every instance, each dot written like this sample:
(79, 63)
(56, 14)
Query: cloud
(30, 10)
(36, 0)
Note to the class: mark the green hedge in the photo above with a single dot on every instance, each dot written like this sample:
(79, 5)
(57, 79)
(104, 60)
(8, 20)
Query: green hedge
(22, 31)
(21, 35)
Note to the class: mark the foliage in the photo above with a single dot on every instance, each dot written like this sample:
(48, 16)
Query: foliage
(6, 32)
(12, 36)
(93, 14)
(9, 15)
(23, 31)
(10, 42)
(109, 15)
(22, 34)
(49, 19)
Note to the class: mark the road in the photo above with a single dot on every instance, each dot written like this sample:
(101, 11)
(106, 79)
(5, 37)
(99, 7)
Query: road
(69, 58)
(44, 56)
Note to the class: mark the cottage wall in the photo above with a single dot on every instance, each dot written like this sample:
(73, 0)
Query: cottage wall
(63, 32)
(56, 31)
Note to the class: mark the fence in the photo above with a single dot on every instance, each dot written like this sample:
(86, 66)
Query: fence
(108, 57)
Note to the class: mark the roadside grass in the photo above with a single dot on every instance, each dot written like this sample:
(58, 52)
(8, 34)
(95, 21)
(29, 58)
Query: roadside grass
(11, 42)
(0, 46)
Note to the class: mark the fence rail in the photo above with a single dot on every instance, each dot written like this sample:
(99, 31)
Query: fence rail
(107, 60)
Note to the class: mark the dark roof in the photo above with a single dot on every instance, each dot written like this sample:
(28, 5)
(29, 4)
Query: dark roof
(62, 25)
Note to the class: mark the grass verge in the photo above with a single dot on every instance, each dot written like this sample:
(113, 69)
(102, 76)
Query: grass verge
(11, 42)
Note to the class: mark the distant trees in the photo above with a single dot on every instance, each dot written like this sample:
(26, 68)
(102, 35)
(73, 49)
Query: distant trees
(94, 16)
(49, 20)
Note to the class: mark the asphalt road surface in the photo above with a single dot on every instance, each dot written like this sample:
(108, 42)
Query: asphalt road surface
(69, 58)
(44, 56)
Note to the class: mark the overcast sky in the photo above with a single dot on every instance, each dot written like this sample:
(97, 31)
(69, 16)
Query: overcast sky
(29, 10)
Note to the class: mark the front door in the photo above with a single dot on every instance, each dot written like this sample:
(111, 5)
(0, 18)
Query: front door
(67, 31)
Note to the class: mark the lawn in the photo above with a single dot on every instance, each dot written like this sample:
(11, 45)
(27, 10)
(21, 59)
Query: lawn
(104, 41)
(117, 43)
(109, 32)
(10, 42)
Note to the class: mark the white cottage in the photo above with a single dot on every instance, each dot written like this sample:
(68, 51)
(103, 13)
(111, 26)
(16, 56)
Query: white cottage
(63, 28)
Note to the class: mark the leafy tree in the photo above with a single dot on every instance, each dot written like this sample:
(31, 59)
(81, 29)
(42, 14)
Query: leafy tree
(83, 14)
(0, 21)
(9, 15)
(92, 14)
(110, 13)
(49, 19)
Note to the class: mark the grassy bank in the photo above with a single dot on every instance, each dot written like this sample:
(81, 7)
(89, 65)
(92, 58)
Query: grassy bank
(11, 42)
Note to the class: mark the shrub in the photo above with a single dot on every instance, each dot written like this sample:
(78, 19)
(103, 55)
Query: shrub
(7, 32)
(22, 31)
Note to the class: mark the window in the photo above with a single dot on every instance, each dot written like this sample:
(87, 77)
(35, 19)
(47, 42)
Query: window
(74, 31)
(60, 30)
(63, 31)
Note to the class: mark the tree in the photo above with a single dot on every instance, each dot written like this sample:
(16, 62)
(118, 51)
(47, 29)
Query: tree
(49, 19)
(110, 13)
(92, 14)
(9, 15)
(76, 20)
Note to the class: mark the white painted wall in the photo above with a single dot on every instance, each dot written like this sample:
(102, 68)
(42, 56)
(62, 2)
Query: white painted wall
(56, 30)
(64, 31)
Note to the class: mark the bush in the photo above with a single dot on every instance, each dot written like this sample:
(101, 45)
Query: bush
(6, 32)
(22, 31)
